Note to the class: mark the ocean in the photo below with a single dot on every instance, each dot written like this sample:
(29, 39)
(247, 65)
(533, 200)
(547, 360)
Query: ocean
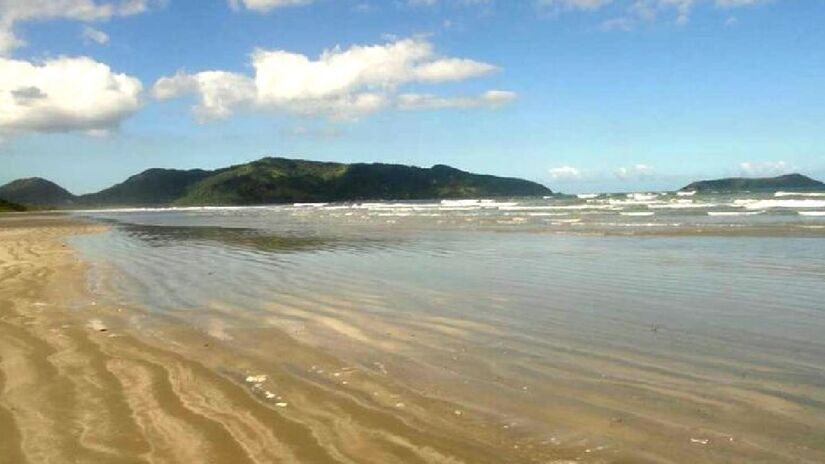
(661, 326)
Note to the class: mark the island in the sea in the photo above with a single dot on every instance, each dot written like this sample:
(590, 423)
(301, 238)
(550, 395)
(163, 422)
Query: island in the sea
(278, 180)
(788, 182)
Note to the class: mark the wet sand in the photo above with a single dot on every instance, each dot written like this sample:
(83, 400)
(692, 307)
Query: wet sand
(84, 382)
(322, 378)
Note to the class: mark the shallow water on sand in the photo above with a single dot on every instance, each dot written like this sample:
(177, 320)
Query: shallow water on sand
(675, 336)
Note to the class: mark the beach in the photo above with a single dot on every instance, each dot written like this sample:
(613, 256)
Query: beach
(287, 335)
(81, 381)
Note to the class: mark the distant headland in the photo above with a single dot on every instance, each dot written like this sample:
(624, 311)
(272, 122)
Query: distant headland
(276, 180)
(788, 182)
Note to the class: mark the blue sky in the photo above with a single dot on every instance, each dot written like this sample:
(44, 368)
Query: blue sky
(581, 95)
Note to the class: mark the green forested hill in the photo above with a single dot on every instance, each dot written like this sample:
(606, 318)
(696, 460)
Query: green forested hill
(277, 180)
(789, 182)
(35, 191)
(280, 180)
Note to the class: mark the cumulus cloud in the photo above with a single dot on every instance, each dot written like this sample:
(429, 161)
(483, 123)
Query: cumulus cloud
(64, 94)
(16, 11)
(489, 99)
(220, 92)
(340, 84)
(265, 6)
(565, 173)
(635, 172)
(763, 168)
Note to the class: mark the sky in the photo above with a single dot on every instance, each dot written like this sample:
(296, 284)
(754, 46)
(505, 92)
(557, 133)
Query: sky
(580, 95)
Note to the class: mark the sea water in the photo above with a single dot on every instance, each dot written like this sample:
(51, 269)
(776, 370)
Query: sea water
(652, 321)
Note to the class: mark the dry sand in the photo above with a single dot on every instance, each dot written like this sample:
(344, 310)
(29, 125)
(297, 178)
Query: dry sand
(85, 382)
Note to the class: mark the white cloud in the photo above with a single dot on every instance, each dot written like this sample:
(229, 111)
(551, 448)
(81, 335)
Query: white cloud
(64, 94)
(763, 168)
(489, 99)
(452, 69)
(565, 173)
(265, 6)
(634, 172)
(16, 11)
(220, 92)
(564, 5)
(340, 84)
(97, 36)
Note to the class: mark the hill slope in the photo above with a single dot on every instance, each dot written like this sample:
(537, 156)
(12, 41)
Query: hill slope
(789, 182)
(6, 206)
(36, 191)
(151, 187)
(280, 180)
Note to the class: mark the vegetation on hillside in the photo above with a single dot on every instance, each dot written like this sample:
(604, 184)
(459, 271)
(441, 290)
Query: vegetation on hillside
(7, 206)
(278, 180)
(789, 182)
(35, 191)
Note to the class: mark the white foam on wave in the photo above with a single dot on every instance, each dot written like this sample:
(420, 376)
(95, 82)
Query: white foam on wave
(812, 213)
(643, 196)
(477, 203)
(686, 194)
(396, 206)
(734, 213)
(682, 204)
(567, 221)
(176, 209)
(472, 202)
(637, 213)
(309, 205)
(637, 224)
(768, 204)
(799, 194)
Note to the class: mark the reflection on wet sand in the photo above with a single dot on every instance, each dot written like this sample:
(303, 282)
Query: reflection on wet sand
(540, 347)
(85, 380)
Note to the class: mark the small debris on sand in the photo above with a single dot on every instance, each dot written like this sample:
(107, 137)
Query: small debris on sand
(281, 405)
(399, 405)
(256, 378)
(700, 441)
(380, 367)
(97, 325)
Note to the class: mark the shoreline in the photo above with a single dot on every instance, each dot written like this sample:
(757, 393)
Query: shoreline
(86, 381)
